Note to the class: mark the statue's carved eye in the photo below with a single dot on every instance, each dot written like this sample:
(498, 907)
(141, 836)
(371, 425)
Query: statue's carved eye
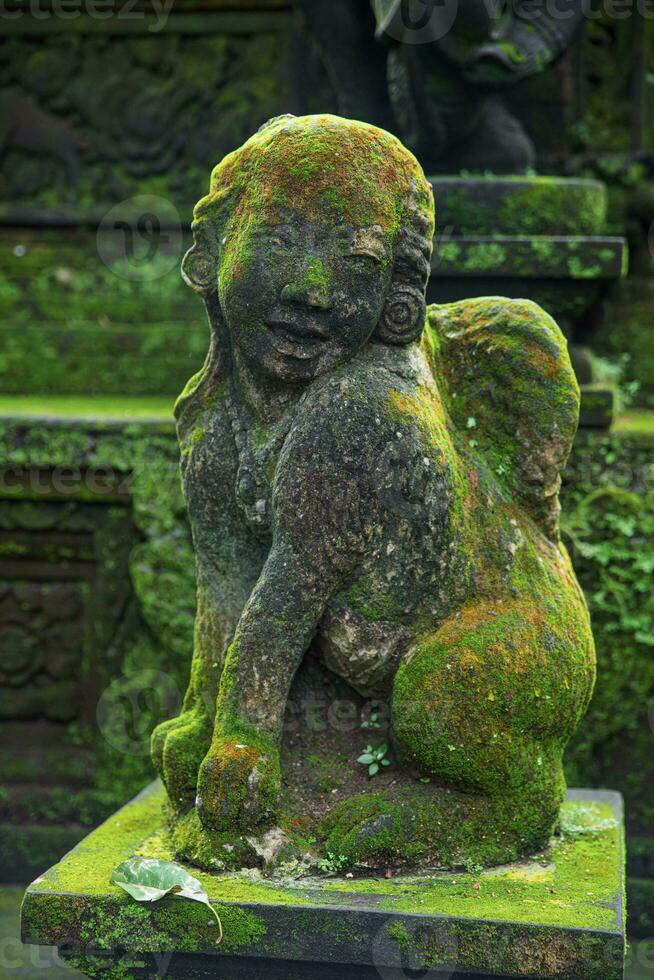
(279, 237)
(368, 243)
(280, 241)
(365, 258)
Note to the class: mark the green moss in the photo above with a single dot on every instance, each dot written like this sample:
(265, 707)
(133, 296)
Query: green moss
(185, 740)
(195, 438)
(611, 530)
(398, 931)
(484, 256)
(524, 206)
(315, 275)
(512, 52)
(571, 885)
(112, 842)
(515, 348)
(304, 167)
(537, 258)
(545, 203)
(141, 828)
(625, 335)
(425, 826)
(86, 407)
(578, 269)
(132, 359)
(237, 749)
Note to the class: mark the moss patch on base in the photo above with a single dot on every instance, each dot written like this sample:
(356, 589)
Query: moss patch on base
(558, 915)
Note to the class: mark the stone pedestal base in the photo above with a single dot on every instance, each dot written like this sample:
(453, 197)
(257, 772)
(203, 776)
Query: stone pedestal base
(558, 915)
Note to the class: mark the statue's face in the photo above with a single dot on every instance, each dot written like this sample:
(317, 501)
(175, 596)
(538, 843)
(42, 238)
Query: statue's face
(300, 296)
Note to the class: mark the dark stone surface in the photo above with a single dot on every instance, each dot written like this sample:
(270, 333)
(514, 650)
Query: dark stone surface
(181, 967)
(598, 406)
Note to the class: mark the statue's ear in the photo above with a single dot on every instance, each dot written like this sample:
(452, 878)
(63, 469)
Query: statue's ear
(403, 317)
(198, 269)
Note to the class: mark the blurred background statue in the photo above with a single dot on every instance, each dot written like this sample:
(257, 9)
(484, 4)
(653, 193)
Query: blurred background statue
(440, 82)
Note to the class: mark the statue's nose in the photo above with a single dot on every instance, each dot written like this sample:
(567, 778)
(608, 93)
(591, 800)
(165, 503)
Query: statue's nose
(312, 289)
(314, 296)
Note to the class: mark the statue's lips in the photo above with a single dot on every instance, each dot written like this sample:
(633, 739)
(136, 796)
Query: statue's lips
(301, 340)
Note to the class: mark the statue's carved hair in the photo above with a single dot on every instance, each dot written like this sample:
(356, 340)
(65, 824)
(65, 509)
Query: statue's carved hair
(383, 184)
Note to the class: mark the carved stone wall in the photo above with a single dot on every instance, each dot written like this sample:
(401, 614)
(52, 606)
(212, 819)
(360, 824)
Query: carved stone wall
(98, 110)
(96, 616)
(64, 596)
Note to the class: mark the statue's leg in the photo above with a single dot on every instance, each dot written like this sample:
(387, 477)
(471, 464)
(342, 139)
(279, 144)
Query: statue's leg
(488, 703)
(344, 32)
(482, 710)
(180, 744)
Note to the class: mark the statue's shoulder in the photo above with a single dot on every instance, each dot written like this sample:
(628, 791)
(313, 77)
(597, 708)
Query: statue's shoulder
(359, 390)
(345, 412)
(203, 393)
(503, 368)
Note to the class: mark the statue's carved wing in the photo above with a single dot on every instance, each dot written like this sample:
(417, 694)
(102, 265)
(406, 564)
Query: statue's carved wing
(503, 369)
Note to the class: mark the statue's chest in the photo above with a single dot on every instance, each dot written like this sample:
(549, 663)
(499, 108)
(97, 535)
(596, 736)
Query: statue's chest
(257, 450)
(228, 468)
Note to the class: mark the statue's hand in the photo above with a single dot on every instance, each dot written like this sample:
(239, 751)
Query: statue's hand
(521, 53)
(238, 786)
(490, 67)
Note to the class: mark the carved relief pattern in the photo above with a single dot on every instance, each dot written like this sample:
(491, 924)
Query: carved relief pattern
(97, 118)
(42, 641)
(64, 592)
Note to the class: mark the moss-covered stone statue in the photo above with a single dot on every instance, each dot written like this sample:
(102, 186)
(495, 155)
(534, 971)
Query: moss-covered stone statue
(372, 485)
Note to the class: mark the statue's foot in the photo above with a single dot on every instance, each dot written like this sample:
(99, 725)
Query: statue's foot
(427, 825)
(178, 748)
(232, 850)
(238, 785)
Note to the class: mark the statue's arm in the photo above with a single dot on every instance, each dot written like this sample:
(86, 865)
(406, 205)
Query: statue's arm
(274, 631)
(321, 516)
(323, 511)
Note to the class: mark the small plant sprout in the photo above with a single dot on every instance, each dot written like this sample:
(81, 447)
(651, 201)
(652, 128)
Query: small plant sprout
(373, 721)
(332, 863)
(374, 758)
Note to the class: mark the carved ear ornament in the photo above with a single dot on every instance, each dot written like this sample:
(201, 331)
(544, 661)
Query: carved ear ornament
(198, 269)
(403, 316)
